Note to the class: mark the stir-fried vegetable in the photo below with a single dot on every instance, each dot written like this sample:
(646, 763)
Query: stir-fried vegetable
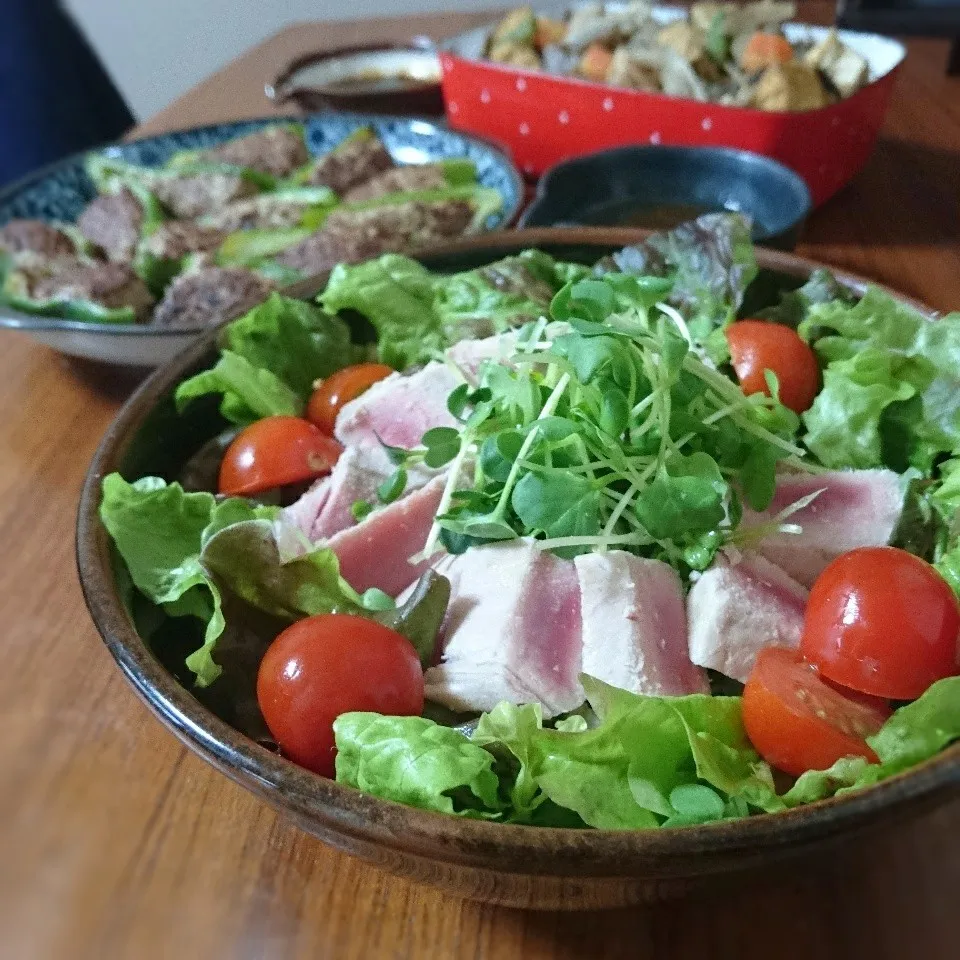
(728, 53)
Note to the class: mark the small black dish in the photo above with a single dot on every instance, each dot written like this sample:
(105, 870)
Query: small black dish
(659, 187)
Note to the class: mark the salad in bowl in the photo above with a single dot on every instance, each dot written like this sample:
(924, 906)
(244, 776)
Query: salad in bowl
(626, 546)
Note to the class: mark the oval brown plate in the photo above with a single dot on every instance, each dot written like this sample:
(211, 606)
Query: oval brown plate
(517, 866)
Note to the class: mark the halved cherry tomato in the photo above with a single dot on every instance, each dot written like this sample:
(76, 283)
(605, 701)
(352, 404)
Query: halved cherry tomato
(339, 389)
(756, 345)
(882, 621)
(331, 664)
(797, 722)
(276, 451)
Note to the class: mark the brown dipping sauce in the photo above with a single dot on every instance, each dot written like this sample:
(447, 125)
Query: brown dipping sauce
(638, 213)
(373, 81)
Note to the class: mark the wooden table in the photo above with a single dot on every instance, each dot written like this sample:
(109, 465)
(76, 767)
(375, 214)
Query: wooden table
(117, 842)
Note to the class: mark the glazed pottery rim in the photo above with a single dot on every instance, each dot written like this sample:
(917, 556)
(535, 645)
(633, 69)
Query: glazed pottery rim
(18, 320)
(340, 809)
(753, 161)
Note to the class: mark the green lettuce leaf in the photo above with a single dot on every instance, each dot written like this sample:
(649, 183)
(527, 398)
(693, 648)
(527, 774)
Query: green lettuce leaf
(396, 294)
(921, 729)
(712, 262)
(249, 392)
(294, 339)
(649, 761)
(271, 358)
(246, 558)
(914, 733)
(512, 291)
(794, 306)
(415, 761)
(513, 730)
(417, 313)
(891, 394)
(159, 531)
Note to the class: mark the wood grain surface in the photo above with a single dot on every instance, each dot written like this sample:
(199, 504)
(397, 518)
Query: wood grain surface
(116, 842)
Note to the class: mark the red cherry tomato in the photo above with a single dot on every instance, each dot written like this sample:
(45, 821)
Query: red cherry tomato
(756, 345)
(339, 389)
(797, 722)
(331, 664)
(882, 621)
(276, 451)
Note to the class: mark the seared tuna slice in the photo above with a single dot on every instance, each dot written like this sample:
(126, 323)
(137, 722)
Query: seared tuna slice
(326, 508)
(400, 409)
(635, 625)
(377, 551)
(737, 608)
(857, 508)
(512, 630)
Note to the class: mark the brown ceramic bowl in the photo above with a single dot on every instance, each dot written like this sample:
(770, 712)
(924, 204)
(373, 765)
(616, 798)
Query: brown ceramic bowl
(517, 866)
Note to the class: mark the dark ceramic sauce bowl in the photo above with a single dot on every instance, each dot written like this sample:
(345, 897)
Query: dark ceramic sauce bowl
(516, 866)
(658, 187)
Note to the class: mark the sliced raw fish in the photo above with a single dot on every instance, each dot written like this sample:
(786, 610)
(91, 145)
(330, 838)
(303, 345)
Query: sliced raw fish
(326, 508)
(635, 625)
(857, 508)
(512, 630)
(738, 607)
(376, 552)
(470, 355)
(400, 409)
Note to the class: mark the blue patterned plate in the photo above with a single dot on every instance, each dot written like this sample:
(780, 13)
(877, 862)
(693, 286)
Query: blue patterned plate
(62, 191)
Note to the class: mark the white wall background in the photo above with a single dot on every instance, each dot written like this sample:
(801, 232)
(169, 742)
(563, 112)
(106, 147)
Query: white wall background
(157, 49)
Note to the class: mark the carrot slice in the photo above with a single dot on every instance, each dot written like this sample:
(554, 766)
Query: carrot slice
(763, 50)
(595, 62)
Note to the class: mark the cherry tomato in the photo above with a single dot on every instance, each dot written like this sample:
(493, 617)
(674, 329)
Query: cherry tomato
(331, 664)
(756, 345)
(797, 722)
(882, 621)
(276, 451)
(339, 389)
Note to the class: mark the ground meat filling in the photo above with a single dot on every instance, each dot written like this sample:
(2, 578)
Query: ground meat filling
(350, 164)
(111, 285)
(425, 176)
(34, 236)
(189, 197)
(176, 238)
(257, 213)
(351, 235)
(209, 296)
(113, 222)
(277, 151)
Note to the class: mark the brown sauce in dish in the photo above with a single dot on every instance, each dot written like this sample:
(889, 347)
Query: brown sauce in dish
(373, 81)
(639, 213)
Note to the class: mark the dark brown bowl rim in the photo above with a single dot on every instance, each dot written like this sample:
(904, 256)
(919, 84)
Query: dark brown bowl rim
(334, 809)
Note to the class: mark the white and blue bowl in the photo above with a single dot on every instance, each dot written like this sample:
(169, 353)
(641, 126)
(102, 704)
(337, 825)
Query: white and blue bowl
(60, 192)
